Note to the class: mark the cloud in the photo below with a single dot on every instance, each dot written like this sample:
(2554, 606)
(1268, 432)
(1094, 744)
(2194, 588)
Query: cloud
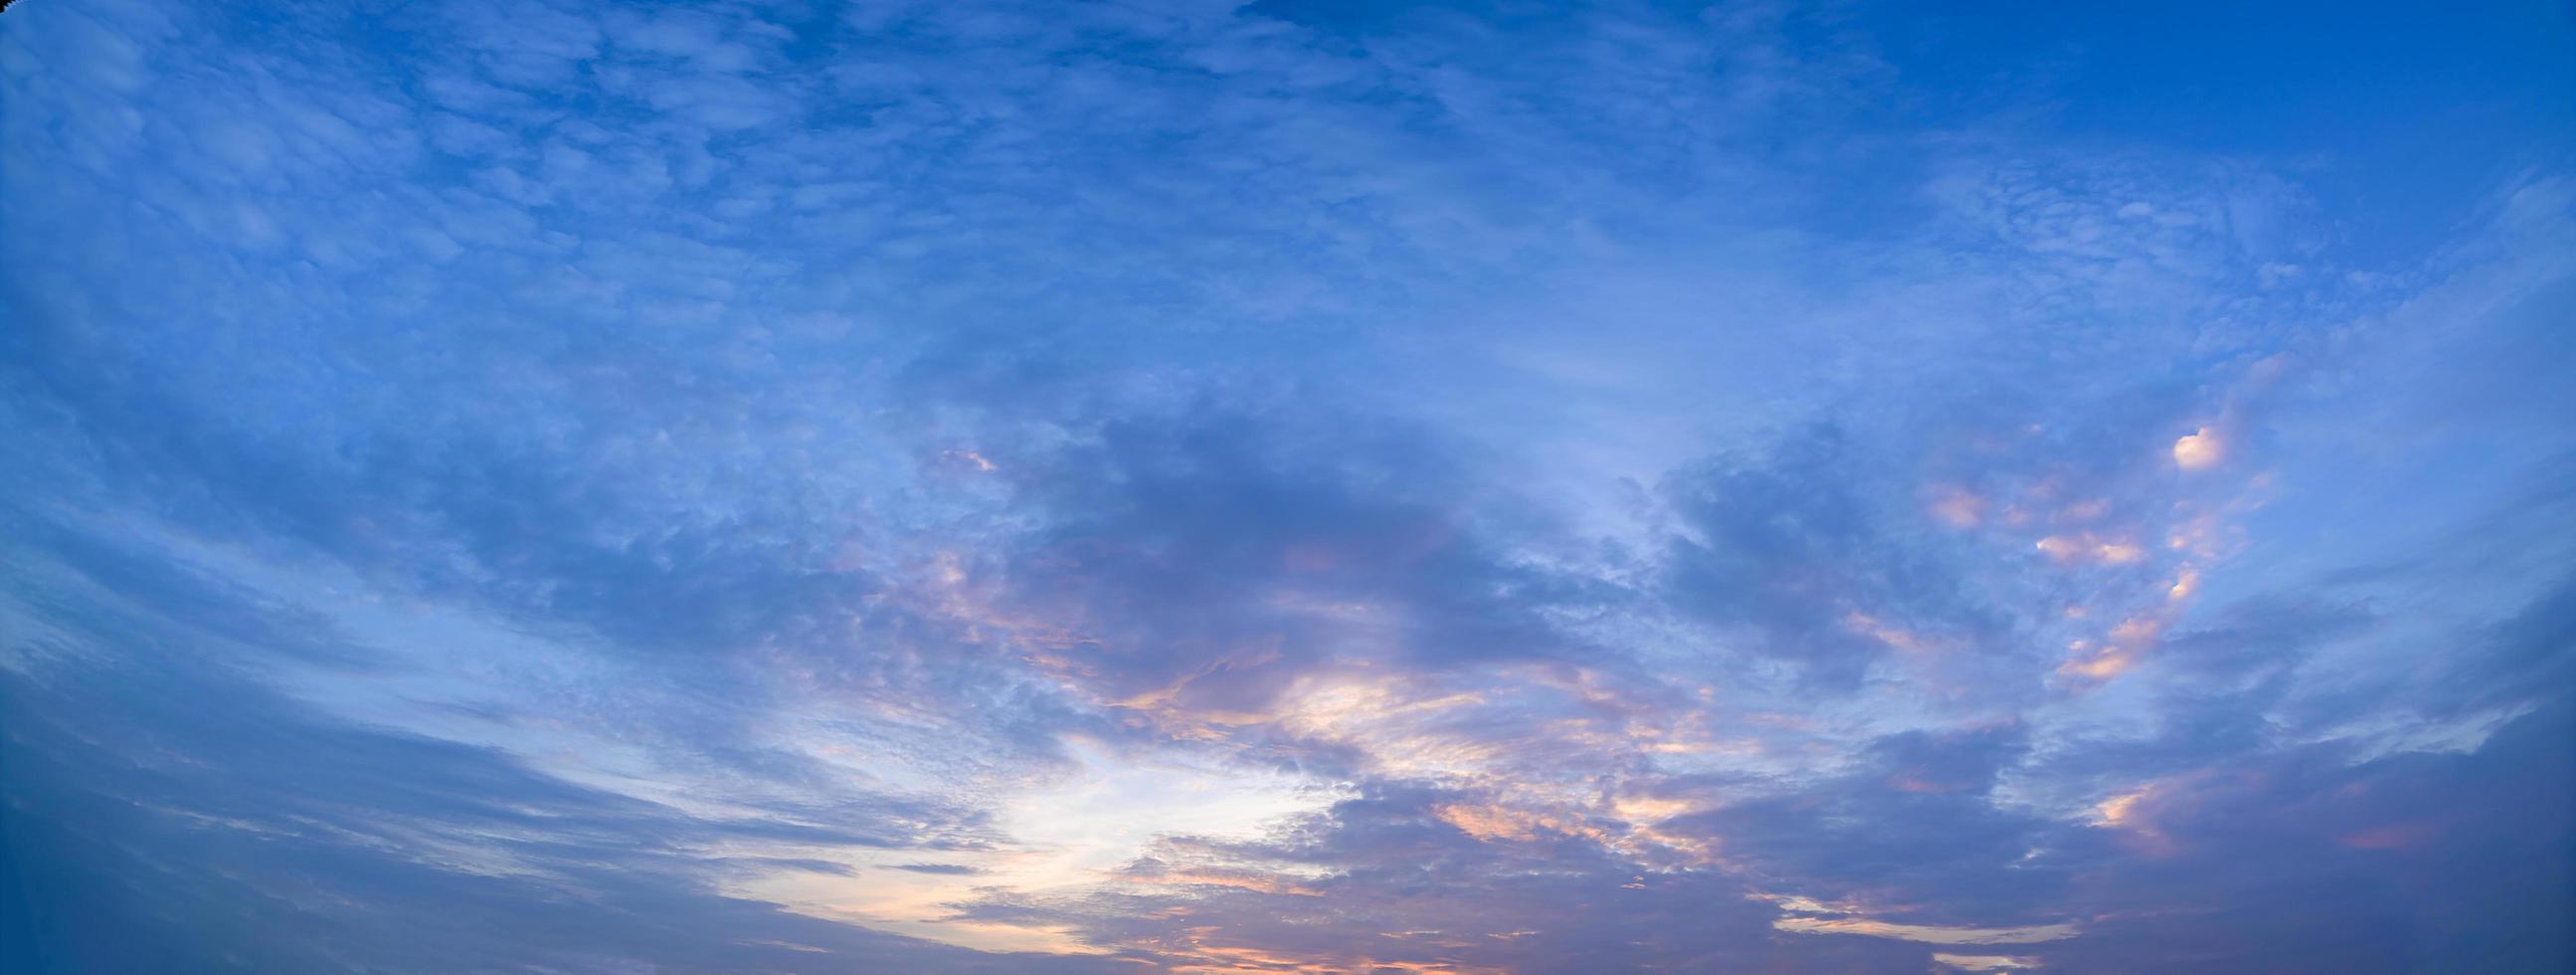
(1984, 963)
(1250, 487)
(2199, 449)
(1927, 934)
(184, 813)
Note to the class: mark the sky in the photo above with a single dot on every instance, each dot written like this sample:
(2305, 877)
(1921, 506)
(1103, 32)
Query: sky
(564, 486)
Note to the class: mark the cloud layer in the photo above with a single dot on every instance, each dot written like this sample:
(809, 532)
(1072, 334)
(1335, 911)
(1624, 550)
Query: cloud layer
(1214, 487)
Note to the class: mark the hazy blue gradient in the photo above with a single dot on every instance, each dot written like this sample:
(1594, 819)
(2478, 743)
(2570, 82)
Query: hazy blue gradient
(568, 486)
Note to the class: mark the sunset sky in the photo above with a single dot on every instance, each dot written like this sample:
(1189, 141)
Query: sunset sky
(569, 486)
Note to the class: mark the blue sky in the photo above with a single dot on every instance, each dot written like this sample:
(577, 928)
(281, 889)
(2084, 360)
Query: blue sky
(576, 487)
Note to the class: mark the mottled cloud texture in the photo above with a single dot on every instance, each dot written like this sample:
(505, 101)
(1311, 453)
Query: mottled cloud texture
(581, 487)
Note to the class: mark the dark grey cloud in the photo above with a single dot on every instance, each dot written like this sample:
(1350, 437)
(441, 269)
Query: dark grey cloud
(1786, 546)
(1268, 548)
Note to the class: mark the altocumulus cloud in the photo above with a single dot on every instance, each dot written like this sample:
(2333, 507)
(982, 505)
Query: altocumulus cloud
(1221, 487)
